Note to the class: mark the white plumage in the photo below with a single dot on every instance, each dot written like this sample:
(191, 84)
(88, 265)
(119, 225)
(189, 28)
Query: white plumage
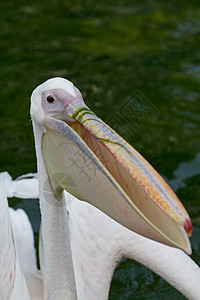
(99, 244)
(19, 277)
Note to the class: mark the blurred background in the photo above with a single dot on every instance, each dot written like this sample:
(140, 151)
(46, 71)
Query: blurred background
(137, 64)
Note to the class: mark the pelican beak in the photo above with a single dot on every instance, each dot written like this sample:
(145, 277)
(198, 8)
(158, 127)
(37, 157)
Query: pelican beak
(85, 157)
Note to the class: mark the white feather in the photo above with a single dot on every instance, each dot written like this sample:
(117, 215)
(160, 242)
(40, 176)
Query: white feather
(19, 277)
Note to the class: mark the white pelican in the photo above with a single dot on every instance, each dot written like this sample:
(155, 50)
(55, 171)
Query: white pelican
(79, 153)
(19, 276)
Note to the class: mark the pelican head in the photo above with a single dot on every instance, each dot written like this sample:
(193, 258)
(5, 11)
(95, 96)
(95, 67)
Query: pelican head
(87, 158)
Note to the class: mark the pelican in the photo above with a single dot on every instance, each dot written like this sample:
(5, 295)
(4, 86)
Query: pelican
(19, 276)
(79, 153)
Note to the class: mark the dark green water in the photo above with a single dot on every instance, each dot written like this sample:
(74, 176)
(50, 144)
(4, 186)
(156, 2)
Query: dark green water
(138, 66)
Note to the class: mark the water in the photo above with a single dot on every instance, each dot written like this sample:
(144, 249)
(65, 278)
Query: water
(138, 66)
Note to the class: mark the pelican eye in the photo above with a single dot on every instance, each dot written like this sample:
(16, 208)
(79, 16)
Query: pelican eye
(50, 99)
